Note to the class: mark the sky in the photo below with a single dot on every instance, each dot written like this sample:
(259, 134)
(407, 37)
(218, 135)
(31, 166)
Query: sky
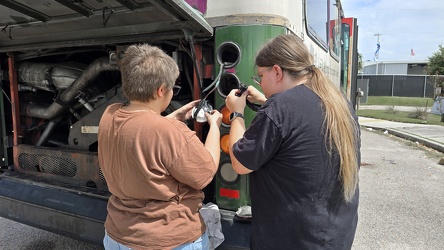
(404, 25)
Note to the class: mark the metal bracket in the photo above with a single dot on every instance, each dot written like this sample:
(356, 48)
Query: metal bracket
(189, 34)
(9, 31)
(105, 17)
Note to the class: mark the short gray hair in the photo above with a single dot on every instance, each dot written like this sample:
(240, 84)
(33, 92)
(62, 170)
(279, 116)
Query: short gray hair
(144, 69)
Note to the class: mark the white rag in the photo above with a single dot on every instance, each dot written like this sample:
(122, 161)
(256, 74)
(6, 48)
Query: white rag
(211, 216)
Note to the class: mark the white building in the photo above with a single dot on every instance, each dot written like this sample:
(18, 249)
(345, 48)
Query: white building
(394, 68)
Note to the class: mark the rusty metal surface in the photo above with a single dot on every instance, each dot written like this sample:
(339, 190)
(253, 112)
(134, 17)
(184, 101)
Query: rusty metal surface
(14, 100)
(67, 166)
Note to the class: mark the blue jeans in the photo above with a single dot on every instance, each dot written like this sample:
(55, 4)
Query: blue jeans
(202, 243)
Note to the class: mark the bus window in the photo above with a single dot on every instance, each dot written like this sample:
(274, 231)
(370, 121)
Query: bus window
(317, 20)
(335, 27)
(345, 55)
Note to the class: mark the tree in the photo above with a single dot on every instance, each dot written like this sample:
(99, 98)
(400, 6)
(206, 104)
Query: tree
(435, 68)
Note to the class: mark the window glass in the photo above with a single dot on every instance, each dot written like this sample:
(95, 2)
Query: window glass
(317, 20)
(345, 55)
(335, 32)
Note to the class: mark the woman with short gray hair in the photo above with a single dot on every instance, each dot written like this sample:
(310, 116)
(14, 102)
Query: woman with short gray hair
(155, 166)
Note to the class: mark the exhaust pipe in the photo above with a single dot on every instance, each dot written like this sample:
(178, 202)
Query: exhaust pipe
(68, 96)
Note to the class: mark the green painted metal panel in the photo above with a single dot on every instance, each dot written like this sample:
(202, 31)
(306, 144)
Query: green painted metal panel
(249, 39)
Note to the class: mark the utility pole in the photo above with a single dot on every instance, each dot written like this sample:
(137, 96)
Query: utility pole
(376, 57)
(378, 46)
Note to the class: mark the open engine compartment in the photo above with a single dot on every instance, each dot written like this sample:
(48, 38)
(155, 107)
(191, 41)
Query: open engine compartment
(61, 98)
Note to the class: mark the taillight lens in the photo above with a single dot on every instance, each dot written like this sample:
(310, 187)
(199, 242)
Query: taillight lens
(225, 143)
(225, 116)
(227, 173)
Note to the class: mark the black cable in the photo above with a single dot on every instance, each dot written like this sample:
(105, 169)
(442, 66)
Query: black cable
(196, 68)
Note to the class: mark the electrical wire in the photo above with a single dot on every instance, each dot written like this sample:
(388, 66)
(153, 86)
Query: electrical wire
(215, 83)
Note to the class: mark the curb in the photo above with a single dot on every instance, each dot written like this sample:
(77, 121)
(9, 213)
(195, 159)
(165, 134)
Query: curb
(426, 142)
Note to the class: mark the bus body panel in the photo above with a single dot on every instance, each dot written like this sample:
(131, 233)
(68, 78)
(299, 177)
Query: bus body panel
(289, 10)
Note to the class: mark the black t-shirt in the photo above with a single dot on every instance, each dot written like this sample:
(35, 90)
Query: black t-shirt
(297, 200)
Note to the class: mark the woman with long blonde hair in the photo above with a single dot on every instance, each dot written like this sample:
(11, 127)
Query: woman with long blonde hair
(302, 150)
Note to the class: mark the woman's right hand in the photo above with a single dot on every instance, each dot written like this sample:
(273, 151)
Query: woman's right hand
(214, 118)
(255, 96)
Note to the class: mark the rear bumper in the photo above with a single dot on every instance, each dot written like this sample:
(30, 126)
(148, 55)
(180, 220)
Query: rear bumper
(60, 210)
(237, 232)
(80, 212)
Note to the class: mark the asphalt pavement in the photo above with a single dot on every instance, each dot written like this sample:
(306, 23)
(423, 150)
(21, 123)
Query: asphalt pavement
(431, 136)
(401, 195)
